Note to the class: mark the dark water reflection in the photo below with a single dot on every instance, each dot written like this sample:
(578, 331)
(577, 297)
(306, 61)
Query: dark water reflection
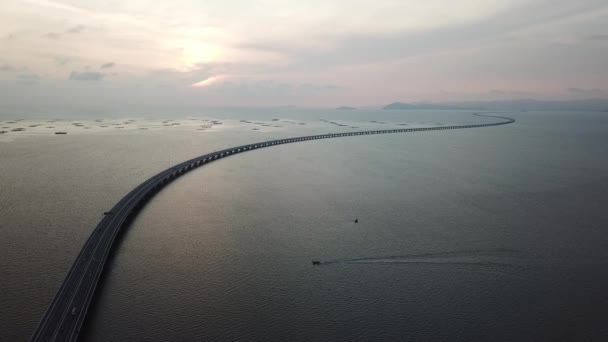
(484, 234)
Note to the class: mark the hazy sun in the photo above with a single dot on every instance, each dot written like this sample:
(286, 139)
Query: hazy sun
(196, 53)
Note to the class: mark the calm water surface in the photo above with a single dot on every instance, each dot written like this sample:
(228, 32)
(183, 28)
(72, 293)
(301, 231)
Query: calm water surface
(482, 234)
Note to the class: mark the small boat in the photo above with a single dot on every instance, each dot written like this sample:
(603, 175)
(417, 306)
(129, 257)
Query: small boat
(316, 262)
(356, 220)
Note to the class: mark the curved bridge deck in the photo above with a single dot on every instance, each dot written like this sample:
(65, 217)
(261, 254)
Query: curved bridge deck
(66, 313)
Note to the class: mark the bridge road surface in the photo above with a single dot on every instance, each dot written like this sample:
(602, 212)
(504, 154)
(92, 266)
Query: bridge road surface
(66, 313)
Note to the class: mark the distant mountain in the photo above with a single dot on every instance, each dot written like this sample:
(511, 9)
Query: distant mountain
(398, 105)
(345, 108)
(519, 105)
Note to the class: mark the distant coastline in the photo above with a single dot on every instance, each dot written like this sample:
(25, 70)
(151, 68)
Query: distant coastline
(598, 105)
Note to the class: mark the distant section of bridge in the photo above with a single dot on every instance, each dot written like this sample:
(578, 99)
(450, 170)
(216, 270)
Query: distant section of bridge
(66, 313)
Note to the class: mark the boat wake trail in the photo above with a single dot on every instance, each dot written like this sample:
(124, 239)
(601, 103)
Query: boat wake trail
(500, 260)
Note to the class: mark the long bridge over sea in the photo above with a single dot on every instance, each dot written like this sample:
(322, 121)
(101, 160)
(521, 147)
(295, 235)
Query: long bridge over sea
(66, 313)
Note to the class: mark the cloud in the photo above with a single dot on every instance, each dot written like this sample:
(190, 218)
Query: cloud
(263, 88)
(75, 29)
(176, 78)
(357, 48)
(52, 35)
(378, 52)
(107, 65)
(28, 78)
(61, 60)
(208, 81)
(600, 37)
(498, 93)
(72, 30)
(86, 76)
(586, 92)
(11, 68)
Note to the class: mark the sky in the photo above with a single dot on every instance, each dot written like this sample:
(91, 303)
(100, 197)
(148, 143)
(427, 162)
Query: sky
(138, 53)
